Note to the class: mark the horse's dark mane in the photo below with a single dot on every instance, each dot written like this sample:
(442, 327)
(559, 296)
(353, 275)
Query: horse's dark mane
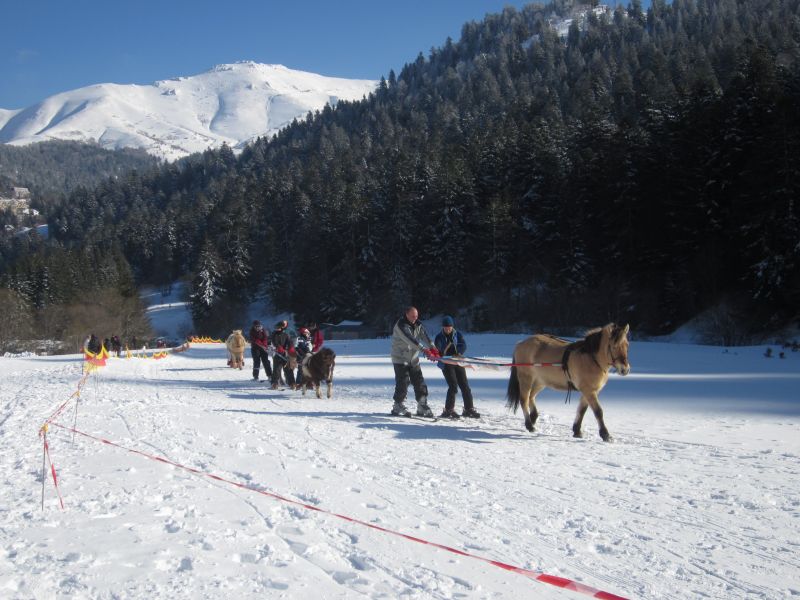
(588, 345)
(554, 337)
(320, 359)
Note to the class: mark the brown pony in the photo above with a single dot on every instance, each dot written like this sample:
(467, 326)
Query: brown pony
(318, 367)
(584, 366)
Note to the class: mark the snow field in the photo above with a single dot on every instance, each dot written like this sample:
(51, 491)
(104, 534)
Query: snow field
(697, 497)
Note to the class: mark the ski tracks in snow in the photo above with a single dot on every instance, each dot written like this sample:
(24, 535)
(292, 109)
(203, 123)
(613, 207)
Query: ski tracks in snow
(662, 515)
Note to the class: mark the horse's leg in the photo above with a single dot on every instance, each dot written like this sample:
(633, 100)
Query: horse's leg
(536, 387)
(594, 402)
(525, 382)
(316, 389)
(576, 426)
(330, 385)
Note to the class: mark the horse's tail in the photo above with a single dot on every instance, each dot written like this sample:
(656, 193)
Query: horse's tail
(512, 395)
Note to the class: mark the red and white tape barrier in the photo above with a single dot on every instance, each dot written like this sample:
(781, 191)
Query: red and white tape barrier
(560, 582)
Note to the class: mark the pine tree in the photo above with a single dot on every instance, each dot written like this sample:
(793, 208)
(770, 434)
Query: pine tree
(206, 287)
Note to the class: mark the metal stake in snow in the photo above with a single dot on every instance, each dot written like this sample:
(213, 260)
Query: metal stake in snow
(43, 433)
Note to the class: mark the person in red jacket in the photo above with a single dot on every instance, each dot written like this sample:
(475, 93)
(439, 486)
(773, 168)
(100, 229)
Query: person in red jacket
(259, 343)
(317, 339)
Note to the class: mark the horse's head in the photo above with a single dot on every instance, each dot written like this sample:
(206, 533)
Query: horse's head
(618, 349)
(328, 356)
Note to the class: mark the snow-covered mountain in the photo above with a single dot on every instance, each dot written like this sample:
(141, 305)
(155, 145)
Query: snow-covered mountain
(232, 104)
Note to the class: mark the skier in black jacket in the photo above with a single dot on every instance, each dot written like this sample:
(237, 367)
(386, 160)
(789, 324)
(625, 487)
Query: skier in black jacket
(284, 349)
(259, 344)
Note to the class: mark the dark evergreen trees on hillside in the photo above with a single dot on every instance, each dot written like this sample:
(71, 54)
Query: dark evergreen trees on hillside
(639, 168)
(53, 169)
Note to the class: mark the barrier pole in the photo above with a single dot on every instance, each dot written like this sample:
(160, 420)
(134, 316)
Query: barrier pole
(43, 431)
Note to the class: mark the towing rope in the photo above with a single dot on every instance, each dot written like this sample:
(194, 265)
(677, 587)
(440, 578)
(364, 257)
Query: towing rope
(485, 363)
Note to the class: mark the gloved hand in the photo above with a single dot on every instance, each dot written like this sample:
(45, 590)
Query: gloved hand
(432, 354)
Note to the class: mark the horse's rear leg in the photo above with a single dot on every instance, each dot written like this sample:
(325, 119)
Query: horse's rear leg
(528, 388)
(536, 387)
(524, 384)
(330, 388)
(316, 389)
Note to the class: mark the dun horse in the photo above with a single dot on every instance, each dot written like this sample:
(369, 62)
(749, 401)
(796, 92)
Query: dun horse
(318, 367)
(584, 367)
(236, 345)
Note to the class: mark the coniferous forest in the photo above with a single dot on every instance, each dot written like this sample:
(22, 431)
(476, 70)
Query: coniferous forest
(55, 168)
(640, 168)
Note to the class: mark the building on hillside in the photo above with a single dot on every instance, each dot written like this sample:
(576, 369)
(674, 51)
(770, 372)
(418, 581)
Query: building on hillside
(18, 201)
(20, 193)
(42, 230)
(16, 205)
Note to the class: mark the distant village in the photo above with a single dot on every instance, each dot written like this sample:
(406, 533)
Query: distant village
(17, 200)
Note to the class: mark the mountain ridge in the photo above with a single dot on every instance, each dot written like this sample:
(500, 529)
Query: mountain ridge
(231, 103)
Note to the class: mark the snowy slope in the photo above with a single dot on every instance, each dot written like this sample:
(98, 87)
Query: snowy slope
(5, 115)
(699, 495)
(168, 311)
(232, 103)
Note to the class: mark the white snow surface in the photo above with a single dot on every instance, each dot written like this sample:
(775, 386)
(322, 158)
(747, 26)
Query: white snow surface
(232, 103)
(167, 310)
(697, 496)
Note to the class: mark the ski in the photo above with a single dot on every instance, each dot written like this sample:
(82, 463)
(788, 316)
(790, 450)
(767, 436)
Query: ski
(417, 417)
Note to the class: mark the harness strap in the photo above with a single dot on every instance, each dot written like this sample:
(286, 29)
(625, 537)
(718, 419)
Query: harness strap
(565, 367)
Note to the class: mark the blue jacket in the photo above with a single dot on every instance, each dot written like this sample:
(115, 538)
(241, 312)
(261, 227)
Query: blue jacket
(448, 345)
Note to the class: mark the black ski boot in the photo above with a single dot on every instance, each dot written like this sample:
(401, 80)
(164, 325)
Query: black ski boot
(471, 413)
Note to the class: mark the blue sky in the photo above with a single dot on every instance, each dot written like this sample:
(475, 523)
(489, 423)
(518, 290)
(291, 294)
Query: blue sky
(51, 46)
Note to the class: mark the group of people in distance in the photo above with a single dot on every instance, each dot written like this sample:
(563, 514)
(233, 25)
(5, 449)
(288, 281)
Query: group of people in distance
(287, 353)
(409, 339)
(94, 344)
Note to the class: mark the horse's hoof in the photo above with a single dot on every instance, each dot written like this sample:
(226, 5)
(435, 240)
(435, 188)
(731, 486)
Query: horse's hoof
(530, 428)
(607, 437)
(577, 434)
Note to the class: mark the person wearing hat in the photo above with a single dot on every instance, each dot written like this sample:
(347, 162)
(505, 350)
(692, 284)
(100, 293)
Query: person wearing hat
(317, 339)
(409, 338)
(303, 347)
(259, 345)
(284, 348)
(450, 342)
